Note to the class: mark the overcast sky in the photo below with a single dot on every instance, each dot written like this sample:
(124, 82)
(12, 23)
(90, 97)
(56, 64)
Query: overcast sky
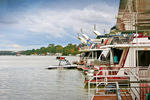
(28, 24)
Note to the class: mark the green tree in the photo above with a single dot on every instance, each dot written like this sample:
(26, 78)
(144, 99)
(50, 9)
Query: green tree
(69, 49)
(59, 49)
(51, 45)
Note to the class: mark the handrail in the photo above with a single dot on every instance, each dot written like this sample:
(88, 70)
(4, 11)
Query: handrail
(122, 40)
(118, 91)
(130, 73)
(128, 70)
(97, 84)
(133, 92)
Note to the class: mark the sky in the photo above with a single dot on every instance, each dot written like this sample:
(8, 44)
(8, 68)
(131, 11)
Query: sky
(28, 24)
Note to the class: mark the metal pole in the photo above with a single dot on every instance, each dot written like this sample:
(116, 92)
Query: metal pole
(137, 59)
(89, 89)
(118, 92)
(59, 62)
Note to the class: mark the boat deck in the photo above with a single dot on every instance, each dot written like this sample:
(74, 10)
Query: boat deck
(104, 98)
(113, 96)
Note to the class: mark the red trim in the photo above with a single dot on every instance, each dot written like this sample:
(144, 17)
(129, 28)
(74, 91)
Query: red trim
(90, 46)
(101, 79)
(143, 91)
(105, 41)
(86, 68)
(140, 35)
(125, 55)
(98, 46)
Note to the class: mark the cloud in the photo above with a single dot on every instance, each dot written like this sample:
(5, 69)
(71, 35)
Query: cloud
(15, 46)
(47, 28)
(44, 25)
(52, 23)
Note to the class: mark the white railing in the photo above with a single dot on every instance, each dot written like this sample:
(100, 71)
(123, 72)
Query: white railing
(129, 76)
(109, 88)
(106, 77)
(85, 48)
(93, 46)
(121, 40)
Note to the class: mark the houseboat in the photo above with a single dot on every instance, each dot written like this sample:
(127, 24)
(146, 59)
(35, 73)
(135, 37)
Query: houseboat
(126, 76)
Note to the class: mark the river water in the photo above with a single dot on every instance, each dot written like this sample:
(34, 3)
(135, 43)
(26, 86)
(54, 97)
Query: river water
(25, 78)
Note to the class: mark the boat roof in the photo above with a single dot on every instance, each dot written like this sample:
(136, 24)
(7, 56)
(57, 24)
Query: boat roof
(126, 45)
(101, 49)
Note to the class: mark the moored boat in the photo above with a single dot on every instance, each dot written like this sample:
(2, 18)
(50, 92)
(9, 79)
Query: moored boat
(126, 77)
(62, 66)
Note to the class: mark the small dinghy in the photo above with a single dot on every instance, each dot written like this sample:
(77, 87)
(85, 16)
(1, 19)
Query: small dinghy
(60, 66)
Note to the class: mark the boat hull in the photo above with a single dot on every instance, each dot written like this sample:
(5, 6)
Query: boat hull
(62, 66)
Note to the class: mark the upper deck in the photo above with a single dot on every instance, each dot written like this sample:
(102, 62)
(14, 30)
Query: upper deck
(121, 40)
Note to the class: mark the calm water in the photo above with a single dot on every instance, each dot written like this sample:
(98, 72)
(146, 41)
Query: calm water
(25, 78)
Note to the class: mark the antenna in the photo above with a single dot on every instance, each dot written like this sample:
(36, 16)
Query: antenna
(96, 32)
(104, 31)
(78, 34)
(94, 27)
(81, 31)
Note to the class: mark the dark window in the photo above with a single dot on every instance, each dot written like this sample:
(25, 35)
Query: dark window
(118, 53)
(144, 58)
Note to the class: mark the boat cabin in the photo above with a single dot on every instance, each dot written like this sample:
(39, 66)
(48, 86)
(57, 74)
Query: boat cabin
(131, 53)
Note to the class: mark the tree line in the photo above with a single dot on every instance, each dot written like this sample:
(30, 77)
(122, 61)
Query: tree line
(7, 53)
(52, 49)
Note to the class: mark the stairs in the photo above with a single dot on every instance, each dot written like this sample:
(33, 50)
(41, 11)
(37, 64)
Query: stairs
(125, 95)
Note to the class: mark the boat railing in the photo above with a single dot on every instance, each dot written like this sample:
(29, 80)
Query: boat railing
(87, 58)
(115, 71)
(105, 77)
(85, 48)
(105, 88)
(136, 85)
(121, 40)
(143, 73)
(97, 62)
(92, 46)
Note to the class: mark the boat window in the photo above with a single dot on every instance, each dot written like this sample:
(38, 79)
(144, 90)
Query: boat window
(108, 56)
(118, 53)
(86, 54)
(90, 55)
(144, 57)
(94, 54)
(102, 41)
(98, 54)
